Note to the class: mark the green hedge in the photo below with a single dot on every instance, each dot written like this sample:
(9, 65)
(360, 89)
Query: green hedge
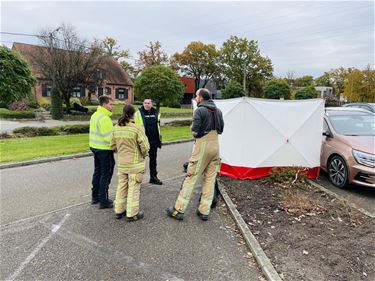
(7, 114)
(52, 131)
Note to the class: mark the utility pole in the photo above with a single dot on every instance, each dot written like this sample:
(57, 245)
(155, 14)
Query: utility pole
(244, 77)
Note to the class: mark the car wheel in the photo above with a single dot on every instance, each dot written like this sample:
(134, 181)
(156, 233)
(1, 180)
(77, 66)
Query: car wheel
(338, 171)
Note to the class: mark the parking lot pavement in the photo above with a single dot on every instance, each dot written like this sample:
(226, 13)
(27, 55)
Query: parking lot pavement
(85, 243)
(361, 196)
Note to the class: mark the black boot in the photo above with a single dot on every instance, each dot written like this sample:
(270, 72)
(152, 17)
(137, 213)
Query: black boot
(154, 179)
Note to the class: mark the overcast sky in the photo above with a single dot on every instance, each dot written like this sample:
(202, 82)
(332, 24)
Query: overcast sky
(307, 37)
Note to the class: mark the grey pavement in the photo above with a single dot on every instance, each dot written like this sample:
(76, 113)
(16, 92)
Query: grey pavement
(7, 126)
(363, 197)
(49, 230)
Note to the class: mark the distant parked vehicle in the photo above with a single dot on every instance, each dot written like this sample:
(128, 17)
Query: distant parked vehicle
(367, 106)
(348, 148)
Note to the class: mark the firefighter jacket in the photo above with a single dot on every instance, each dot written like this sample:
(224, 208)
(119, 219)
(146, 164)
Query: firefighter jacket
(132, 146)
(101, 129)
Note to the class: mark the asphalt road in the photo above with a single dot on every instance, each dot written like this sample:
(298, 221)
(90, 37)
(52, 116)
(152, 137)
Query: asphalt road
(50, 231)
(363, 197)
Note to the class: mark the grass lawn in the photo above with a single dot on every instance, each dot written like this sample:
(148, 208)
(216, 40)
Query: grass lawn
(21, 149)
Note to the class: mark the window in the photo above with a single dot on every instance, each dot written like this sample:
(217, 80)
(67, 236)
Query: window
(78, 92)
(100, 91)
(46, 90)
(121, 93)
(108, 91)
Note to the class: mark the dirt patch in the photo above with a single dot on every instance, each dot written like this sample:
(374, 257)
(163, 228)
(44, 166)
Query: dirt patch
(306, 234)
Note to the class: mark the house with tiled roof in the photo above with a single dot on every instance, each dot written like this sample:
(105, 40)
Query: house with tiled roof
(115, 81)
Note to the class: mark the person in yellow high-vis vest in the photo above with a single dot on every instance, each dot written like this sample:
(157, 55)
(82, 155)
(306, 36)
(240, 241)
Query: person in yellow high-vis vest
(132, 146)
(100, 144)
(207, 124)
(148, 117)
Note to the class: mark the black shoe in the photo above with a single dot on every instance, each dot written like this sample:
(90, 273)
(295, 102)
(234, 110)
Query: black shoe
(155, 180)
(137, 217)
(107, 205)
(201, 216)
(214, 203)
(119, 216)
(185, 166)
(94, 201)
(173, 213)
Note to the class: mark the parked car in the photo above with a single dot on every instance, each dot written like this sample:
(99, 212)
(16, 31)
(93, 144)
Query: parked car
(348, 148)
(367, 106)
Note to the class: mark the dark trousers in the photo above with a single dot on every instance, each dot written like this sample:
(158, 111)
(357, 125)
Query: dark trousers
(153, 153)
(104, 163)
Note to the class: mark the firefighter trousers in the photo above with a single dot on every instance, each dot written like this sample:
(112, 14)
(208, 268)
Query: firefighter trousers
(128, 193)
(205, 161)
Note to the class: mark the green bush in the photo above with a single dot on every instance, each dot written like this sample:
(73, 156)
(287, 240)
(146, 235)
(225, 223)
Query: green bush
(178, 123)
(307, 92)
(44, 103)
(233, 90)
(74, 129)
(35, 131)
(8, 114)
(85, 101)
(276, 89)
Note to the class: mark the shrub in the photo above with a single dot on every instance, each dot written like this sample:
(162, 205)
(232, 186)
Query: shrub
(5, 136)
(307, 92)
(45, 103)
(178, 123)
(285, 177)
(74, 129)
(31, 103)
(18, 105)
(233, 90)
(35, 131)
(276, 89)
(6, 113)
(85, 101)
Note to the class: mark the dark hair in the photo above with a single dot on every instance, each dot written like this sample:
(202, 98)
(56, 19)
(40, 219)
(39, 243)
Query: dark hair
(127, 114)
(104, 99)
(204, 93)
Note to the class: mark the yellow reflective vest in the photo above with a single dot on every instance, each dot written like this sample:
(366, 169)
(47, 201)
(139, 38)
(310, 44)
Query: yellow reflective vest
(138, 120)
(101, 129)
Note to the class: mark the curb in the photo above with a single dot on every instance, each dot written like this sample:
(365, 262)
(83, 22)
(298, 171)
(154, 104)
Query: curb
(65, 157)
(333, 194)
(263, 261)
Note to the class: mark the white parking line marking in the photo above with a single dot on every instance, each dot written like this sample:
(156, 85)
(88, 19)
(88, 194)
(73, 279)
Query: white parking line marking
(37, 249)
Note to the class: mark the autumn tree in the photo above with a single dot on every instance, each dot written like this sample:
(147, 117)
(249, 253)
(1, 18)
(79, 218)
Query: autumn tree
(198, 60)
(16, 79)
(304, 81)
(66, 60)
(240, 60)
(111, 48)
(334, 78)
(151, 56)
(360, 85)
(161, 84)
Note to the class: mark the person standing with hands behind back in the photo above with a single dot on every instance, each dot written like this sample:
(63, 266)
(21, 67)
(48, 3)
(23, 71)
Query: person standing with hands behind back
(207, 124)
(131, 144)
(148, 117)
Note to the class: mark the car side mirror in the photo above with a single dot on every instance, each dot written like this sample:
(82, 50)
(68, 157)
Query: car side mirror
(327, 134)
